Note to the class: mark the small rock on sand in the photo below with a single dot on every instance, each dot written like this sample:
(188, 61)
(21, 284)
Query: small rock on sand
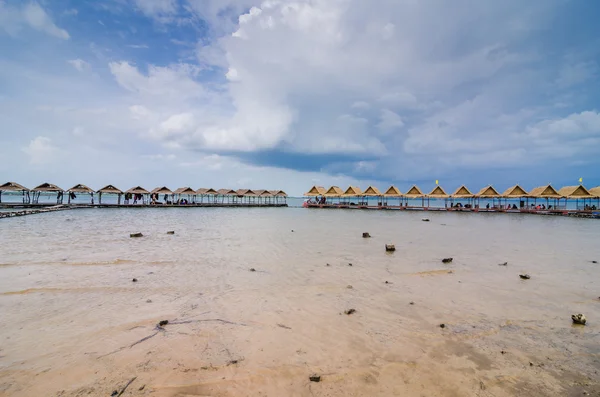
(349, 311)
(366, 235)
(162, 323)
(136, 235)
(411, 303)
(349, 264)
(442, 325)
(134, 280)
(447, 260)
(425, 219)
(594, 261)
(578, 319)
(315, 378)
(252, 269)
(349, 286)
(390, 247)
(503, 264)
(525, 276)
(148, 300)
(171, 232)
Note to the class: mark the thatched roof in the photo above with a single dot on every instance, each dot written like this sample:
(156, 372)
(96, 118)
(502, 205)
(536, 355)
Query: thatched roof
(595, 191)
(414, 192)
(488, 192)
(226, 192)
(12, 187)
(372, 191)
(353, 191)
(544, 192)
(315, 191)
(515, 191)
(47, 187)
(279, 193)
(263, 193)
(204, 191)
(245, 192)
(137, 190)
(334, 191)
(438, 192)
(185, 190)
(462, 192)
(80, 189)
(392, 191)
(575, 192)
(162, 190)
(110, 189)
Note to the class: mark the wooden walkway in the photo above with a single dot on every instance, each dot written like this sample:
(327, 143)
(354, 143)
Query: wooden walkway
(54, 208)
(559, 212)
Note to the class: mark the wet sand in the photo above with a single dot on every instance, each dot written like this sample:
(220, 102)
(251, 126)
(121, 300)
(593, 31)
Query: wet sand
(74, 323)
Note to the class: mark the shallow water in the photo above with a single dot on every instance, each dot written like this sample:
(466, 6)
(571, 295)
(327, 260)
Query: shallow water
(72, 315)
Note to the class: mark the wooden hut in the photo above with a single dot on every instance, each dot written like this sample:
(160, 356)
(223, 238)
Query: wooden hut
(80, 188)
(209, 193)
(515, 192)
(353, 191)
(137, 192)
(438, 193)
(392, 192)
(187, 191)
(462, 193)
(372, 191)
(227, 194)
(595, 192)
(165, 192)
(246, 194)
(577, 193)
(47, 188)
(414, 193)
(333, 193)
(264, 196)
(15, 187)
(109, 189)
(280, 196)
(548, 193)
(488, 192)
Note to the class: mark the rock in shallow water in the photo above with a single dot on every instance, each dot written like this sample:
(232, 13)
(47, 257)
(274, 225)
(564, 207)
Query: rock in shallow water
(578, 319)
(390, 247)
(447, 260)
(366, 235)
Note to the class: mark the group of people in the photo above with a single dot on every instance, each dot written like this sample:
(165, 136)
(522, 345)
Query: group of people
(136, 197)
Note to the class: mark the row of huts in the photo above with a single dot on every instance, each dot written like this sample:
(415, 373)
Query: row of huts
(159, 195)
(579, 193)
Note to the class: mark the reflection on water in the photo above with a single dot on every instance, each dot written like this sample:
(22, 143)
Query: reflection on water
(67, 294)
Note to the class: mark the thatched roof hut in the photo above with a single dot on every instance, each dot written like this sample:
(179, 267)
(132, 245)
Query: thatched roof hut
(595, 192)
(263, 193)
(315, 191)
(438, 192)
(414, 192)
(245, 192)
(575, 192)
(515, 191)
(226, 192)
(184, 190)
(353, 191)
(13, 187)
(205, 192)
(137, 190)
(334, 191)
(162, 190)
(80, 189)
(47, 187)
(372, 191)
(462, 192)
(278, 193)
(488, 192)
(109, 189)
(544, 192)
(392, 191)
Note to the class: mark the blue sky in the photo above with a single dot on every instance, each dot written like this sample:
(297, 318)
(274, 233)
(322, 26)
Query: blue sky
(286, 94)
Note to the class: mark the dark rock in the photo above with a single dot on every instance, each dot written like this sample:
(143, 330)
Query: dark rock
(578, 319)
(148, 300)
(162, 323)
(136, 235)
(171, 232)
(114, 393)
(411, 303)
(390, 247)
(442, 325)
(232, 362)
(349, 311)
(142, 387)
(327, 264)
(292, 230)
(502, 352)
(447, 260)
(366, 235)
(525, 276)
(503, 264)
(349, 286)
(594, 261)
(252, 269)
(530, 364)
(425, 219)
(387, 282)
(134, 280)
(349, 264)
(315, 378)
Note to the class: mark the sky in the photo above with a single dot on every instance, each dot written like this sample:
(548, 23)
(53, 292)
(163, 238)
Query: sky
(286, 94)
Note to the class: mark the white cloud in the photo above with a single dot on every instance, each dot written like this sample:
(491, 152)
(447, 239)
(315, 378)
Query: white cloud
(40, 150)
(390, 121)
(576, 73)
(79, 64)
(138, 46)
(29, 14)
(157, 8)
